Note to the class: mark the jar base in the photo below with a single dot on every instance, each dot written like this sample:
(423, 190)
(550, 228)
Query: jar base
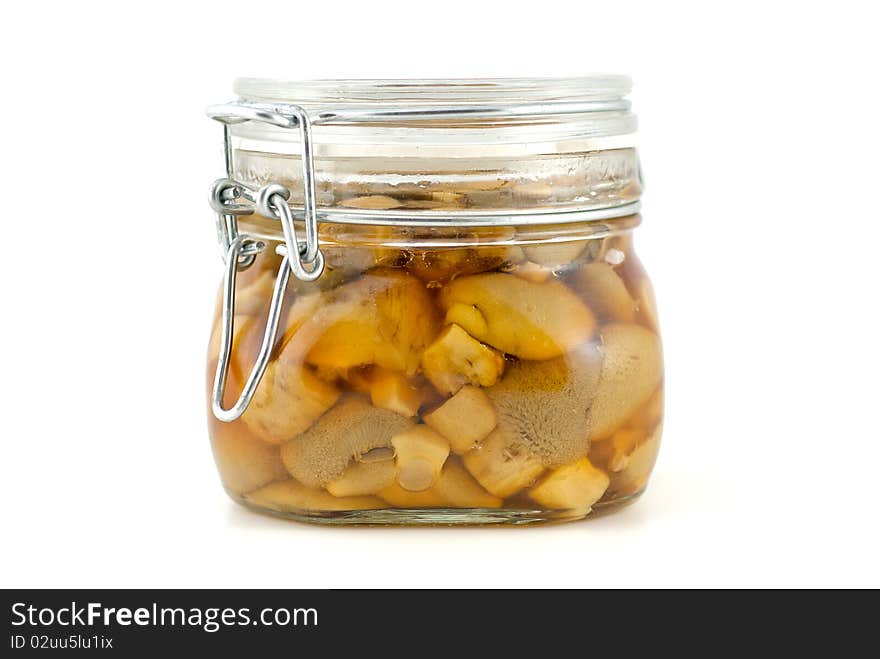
(442, 516)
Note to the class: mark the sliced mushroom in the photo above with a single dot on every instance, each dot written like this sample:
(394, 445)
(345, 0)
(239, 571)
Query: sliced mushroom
(287, 401)
(364, 478)
(391, 390)
(554, 255)
(529, 320)
(631, 370)
(350, 429)
(456, 359)
(633, 478)
(544, 406)
(291, 497)
(459, 489)
(604, 292)
(502, 464)
(465, 419)
(385, 317)
(573, 487)
(421, 453)
(244, 461)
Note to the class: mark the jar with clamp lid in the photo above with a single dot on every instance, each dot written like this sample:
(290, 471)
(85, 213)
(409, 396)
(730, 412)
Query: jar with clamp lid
(432, 311)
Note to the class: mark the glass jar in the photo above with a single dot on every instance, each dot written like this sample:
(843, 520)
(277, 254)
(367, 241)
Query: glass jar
(432, 310)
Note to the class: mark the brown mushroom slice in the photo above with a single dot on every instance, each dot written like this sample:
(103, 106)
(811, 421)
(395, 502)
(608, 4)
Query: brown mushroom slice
(573, 487)
(244, 461)
(288, 400)
(465, 419)
(604, 292)
(350, 429)
(291, 497)
(421, 453)
(384, 317)
(631, 370)
(544, 406)
(519, 317)
(502, 464)
(364, 478)
(459, 489)
(456, 359)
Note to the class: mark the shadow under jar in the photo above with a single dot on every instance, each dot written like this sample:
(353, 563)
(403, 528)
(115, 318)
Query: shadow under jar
(475, 340)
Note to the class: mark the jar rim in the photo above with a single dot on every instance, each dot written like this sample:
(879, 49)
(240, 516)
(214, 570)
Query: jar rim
(377, 92)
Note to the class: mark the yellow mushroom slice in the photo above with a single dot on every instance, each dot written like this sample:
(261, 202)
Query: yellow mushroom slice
(456, 359)
(465, 419)
(292, 497)
(554, 255)
(384, 317)
(421, 453)
(503, 465)
(363, 478)
(544, 406)
(634, 476)
(245, 462)
(391, 390)
(573, 487)
(631, 370)
(604, 292)
(351, 429)
(529, 320)
(459, 489)
(287, 401)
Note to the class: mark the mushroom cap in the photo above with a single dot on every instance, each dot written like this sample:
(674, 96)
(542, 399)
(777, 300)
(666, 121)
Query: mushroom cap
(347, 431)
(544, 405)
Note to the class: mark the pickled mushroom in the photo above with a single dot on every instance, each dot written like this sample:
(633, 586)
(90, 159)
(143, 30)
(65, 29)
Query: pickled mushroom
(502, 464)
(604, 292)
(421, 453)
(384, 317)
(456, 359)
(465, 419)
(350, 429)
(364, 478)
(291, 497)
(574, 487)
(631, 370)
(544, 406)
(288, 400)
(519, 317)
(245, 462)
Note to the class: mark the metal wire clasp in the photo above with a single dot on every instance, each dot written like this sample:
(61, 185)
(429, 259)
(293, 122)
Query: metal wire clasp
(303, 258)
(227, 317)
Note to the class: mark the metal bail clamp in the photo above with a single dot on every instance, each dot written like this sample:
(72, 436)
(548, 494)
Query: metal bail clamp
(304, 259)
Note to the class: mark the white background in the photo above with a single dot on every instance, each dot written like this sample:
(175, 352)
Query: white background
(759, 136)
